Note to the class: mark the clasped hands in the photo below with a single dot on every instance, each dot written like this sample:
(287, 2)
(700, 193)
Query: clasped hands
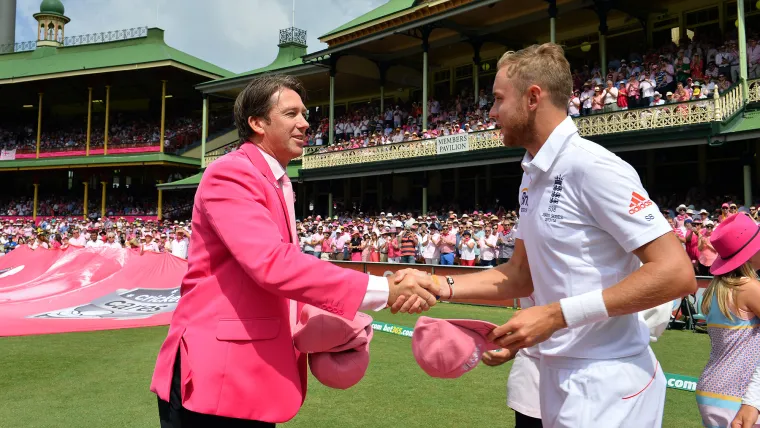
(412, 291)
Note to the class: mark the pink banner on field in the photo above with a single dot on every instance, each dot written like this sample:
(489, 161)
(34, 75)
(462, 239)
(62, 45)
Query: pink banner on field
(128, 218)
(99, 151)
(86, 289)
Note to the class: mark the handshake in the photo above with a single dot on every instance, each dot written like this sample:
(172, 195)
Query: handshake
(412, 291)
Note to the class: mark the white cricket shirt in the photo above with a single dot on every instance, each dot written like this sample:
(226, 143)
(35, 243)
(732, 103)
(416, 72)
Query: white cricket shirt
(583, 211)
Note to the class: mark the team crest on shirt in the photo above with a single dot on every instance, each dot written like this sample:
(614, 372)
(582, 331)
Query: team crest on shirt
(524, 200)
(551, 215)
(638, 203)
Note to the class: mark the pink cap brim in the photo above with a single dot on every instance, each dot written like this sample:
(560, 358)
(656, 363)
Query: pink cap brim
(721, 266)
(322, 331)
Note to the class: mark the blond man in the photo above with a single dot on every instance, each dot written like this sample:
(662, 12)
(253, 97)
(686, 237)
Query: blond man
(593, 249)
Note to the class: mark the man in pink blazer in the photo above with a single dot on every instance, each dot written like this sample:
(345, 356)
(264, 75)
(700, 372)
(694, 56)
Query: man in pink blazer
(229, 359)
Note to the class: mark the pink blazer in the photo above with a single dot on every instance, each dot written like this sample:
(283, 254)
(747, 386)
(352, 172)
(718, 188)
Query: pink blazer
(231, 325)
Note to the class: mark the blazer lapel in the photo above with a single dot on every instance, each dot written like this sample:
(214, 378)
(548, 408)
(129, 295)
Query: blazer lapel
(261, 164)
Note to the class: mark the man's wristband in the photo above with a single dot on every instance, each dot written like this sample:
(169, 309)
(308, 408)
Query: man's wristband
(587, 308)
(450, 281)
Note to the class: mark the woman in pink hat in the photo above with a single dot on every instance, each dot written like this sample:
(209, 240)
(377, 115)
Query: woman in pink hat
(732, 305)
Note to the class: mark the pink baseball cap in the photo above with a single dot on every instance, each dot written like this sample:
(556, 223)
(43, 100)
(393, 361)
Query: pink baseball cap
(344, 369)
(736, 240)
(448, 349)
(321, 331)
(338, 348)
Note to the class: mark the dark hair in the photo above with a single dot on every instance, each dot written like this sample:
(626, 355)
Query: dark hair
(256, 99)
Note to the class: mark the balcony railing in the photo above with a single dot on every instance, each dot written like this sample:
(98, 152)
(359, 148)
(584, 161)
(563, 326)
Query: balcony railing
(754, 91)
(231, 147)
(408, 149)
(221, 151)
(717, 109)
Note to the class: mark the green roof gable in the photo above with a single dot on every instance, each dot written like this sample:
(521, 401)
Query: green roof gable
(288, 56)
(393, 6)
(50, 60)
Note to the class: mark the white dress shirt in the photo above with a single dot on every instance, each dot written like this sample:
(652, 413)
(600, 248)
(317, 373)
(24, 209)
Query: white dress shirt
(376, 298)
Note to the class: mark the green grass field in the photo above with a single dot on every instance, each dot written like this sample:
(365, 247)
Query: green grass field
(101, 379)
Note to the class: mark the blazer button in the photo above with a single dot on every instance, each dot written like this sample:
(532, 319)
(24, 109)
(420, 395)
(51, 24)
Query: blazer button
(340, 312)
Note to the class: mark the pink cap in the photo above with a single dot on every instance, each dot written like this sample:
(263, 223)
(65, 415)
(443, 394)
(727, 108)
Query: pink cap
(736, 240)
(321, 331)
(338, 348)
(449, 348)
(339, 370)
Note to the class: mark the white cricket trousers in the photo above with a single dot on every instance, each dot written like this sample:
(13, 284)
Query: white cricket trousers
(585, 393)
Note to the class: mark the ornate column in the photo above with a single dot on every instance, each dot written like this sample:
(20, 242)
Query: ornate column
(163, 113)
(108, 112)
(204, 130)
(89, 122)
(103, 185)
(86, 192)
(159, 209)
(36, 199)
(39, 124)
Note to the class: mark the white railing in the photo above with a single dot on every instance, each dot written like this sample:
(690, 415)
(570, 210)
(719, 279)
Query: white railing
(408, 149)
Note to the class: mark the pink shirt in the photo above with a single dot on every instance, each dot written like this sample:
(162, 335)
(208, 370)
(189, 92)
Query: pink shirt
(341, 241)
(392, 251)
(692, 245)
(708, 254)
(487, 253)
(448, 242)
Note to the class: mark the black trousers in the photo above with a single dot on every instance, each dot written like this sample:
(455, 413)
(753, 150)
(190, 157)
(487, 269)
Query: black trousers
(173, 415)
(525, 421)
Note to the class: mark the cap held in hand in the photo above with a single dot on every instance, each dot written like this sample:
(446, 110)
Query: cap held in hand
(448, 349)
(338, 348)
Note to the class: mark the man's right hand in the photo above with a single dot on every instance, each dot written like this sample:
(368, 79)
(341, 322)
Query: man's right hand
(411, 292)
(746, 417)
(497, 358)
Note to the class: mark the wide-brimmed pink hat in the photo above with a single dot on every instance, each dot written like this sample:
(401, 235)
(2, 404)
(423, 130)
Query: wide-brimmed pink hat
(736, 240)
(449, 348)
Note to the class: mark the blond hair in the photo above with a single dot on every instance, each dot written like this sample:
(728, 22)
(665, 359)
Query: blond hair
(724, 288)
(542, 65)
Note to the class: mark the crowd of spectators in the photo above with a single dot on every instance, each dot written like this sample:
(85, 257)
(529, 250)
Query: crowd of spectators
(485, 238)
(125, 131)
(691, 70)
(145, 236)
(446, 236)
(58, 206)
(368, 126)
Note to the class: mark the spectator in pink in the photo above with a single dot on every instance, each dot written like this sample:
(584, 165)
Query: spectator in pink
(374, 247)
(707, 253)
(356, 246)
(448, 245)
